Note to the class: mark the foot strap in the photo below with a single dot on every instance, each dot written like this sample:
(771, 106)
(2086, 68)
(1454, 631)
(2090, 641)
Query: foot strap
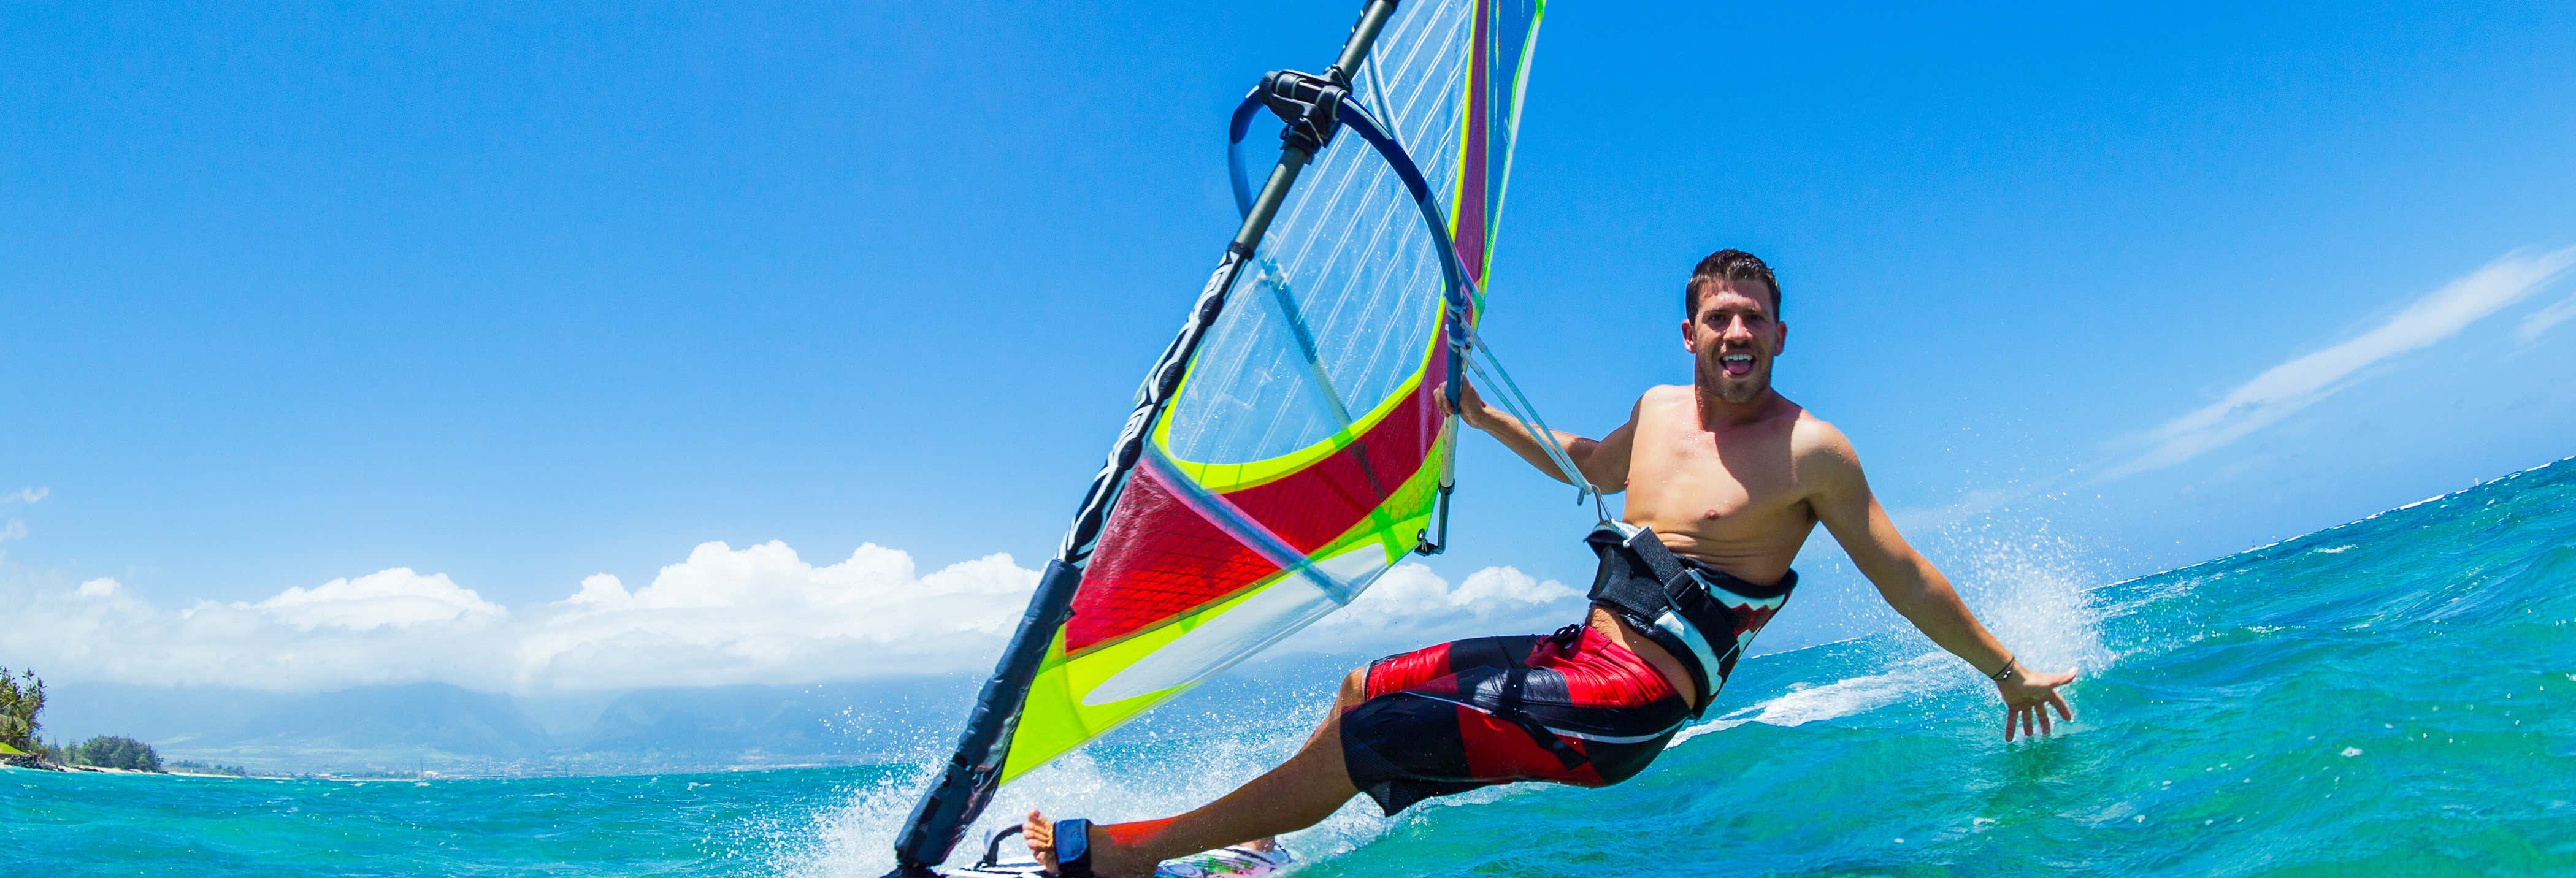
(1073, 848)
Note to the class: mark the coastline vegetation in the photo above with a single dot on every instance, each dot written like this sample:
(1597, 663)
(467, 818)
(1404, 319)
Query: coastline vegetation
(22, 697)
(191, 766)
(111, 751)
(22, 701)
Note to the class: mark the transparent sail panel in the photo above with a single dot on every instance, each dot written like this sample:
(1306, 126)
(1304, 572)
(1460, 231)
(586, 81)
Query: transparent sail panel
(1338, 308)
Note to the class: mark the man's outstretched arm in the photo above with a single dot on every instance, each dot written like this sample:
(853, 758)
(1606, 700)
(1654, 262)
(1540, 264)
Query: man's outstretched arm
(1910, 584)
(1603, 463)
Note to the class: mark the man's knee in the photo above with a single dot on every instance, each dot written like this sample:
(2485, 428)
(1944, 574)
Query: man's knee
(1354, 689)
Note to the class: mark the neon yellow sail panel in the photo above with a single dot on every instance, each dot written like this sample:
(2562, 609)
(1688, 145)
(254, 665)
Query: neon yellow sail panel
(1301, 456)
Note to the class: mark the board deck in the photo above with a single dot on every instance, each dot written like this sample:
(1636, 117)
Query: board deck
(1233, 862)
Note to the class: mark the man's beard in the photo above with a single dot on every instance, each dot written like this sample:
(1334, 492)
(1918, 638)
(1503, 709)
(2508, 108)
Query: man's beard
(1740, 391)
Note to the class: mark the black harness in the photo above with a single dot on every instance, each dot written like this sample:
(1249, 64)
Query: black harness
(1676, 603)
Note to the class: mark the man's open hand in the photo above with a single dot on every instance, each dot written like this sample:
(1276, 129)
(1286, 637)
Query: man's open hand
(2027, 698)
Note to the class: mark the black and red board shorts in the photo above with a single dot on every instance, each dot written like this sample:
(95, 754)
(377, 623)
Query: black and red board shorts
(1572, 708)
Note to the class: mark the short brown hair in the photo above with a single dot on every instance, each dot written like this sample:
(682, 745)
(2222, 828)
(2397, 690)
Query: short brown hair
(1728, 264)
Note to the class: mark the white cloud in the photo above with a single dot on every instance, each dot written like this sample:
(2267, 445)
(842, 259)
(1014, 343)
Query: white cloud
(2537, 322)
(389, 627)
(762, 614)
(2302, 381)
(1412, 592)
(599, 589)
(757, 614)
(397, 597)
(1411, 606)
(15, 529)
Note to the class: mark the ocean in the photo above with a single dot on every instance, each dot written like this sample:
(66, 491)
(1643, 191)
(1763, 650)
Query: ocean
(2393, 696)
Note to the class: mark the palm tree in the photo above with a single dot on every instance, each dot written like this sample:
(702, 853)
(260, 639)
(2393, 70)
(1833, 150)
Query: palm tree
(19, 704)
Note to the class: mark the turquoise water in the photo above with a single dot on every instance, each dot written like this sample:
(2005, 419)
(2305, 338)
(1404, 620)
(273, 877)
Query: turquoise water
(104, 824)
(2394, 696)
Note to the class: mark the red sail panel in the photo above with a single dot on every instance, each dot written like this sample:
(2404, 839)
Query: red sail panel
(1467, 229)
(1157, 559)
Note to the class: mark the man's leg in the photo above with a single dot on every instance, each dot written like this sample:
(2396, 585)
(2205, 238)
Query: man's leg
(1301, 792)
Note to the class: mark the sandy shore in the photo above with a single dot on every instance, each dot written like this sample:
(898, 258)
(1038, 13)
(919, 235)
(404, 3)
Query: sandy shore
(33, 763)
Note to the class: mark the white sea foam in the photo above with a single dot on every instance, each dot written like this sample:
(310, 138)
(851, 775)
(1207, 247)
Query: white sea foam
(856, 837)
(2039, 607)
(1918, 676)
(2028, 589)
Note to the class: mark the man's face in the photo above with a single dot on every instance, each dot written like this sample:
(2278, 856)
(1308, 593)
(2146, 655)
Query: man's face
(1733, 337)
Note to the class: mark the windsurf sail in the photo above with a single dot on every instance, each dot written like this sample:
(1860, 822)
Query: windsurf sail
(1292, 442)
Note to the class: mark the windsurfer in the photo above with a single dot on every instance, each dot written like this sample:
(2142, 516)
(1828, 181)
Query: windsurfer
(1725, 480)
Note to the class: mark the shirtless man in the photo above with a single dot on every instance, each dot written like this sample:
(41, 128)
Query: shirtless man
(1725, 480)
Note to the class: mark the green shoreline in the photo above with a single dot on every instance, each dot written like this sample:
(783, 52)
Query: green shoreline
(23, 760)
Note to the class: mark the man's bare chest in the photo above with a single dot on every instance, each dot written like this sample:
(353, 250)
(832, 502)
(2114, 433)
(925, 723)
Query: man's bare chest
(1719, 481)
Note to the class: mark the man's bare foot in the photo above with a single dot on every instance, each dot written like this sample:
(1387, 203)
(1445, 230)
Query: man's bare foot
(1039, 833)
(1264, 844)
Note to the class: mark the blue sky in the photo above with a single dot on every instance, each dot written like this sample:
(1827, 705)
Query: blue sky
(517, 295)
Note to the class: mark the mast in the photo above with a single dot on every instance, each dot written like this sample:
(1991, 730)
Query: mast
(1309, 104)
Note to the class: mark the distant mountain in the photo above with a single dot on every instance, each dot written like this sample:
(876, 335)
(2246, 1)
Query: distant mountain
(728, 719)
(828, 721)
(424, 716)
(78, 711)
(404, 728)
